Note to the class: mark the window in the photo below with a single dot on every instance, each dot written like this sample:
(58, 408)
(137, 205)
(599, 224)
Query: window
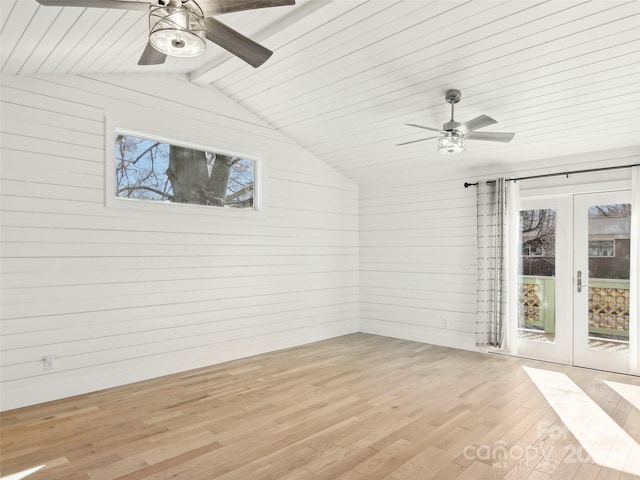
(537, 274)
(538, 232)
(153, 170)
(601, 248)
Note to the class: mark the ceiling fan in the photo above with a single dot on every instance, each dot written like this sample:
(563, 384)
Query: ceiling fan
(180, 28)
(453, 134)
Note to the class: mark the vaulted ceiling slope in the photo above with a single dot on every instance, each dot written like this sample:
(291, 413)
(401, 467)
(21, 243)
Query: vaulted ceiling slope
(347, 75)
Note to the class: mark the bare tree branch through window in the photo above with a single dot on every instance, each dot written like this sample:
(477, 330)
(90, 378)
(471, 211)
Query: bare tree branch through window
(150, 170)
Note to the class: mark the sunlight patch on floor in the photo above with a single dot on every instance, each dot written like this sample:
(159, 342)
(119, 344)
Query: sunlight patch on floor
(23, 474)
(631, 393)
(602, 438)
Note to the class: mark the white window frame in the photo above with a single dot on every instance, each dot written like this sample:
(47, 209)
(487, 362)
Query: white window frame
(150, 130)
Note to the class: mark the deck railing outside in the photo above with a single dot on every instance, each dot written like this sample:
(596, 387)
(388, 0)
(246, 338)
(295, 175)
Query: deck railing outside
(608, 305)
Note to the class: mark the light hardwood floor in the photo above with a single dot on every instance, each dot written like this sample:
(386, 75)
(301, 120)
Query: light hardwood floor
(358, 407)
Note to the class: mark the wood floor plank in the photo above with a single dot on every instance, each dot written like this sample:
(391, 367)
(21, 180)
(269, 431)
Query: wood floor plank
(358, 407)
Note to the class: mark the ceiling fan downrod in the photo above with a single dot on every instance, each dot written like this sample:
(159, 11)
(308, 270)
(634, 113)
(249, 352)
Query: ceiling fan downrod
(452, 97)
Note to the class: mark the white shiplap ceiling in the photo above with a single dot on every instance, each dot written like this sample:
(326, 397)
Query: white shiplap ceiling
(348, 74)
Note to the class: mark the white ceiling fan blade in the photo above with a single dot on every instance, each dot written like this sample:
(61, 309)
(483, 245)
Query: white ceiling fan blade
(415, 141)
(218, 7)
(490, 136)
(124, 5)
(476, 123)
(234, 42)
(422, 126)
(151, 56)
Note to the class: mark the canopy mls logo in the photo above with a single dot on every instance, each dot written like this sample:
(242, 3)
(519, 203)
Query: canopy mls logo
(542, 451)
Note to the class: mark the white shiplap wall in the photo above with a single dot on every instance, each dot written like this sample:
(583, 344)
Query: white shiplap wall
(417, 259)
(418, 243)
(120, 295)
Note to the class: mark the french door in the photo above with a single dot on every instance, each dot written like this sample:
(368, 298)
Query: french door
(574, 280)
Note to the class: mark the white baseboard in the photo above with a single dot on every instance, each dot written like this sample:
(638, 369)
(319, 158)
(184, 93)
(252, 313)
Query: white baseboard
(32, 391)
(443, 338)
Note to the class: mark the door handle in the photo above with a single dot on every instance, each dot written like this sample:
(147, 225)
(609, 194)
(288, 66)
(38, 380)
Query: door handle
(579, 282)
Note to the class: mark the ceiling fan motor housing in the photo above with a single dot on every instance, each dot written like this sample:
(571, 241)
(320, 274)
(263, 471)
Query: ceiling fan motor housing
(450, 126)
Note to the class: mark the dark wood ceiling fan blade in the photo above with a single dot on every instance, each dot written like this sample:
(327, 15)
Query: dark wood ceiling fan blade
(476, 123)
(415, 141)
(151, 56)
(242, 47)
(422, 126)
(216, 7)
(491, 136)
(124, 5)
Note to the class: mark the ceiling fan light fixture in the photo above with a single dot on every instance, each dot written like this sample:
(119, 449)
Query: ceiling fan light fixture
(178, 30)
(450, 143)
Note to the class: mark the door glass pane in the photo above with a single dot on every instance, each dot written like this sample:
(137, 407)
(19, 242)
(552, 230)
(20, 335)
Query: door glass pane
(537, 272)
(609, 269)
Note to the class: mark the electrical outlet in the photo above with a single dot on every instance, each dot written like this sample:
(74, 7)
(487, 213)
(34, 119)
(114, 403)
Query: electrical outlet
(49, 360)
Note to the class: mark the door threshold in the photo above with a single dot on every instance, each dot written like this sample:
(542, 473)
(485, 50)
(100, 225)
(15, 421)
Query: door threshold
(509, 354)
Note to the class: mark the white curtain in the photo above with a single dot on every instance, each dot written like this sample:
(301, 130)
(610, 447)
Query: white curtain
(634, 311)
(497, 217)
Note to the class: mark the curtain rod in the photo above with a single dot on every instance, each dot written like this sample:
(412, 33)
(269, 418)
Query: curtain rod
(467, 184)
